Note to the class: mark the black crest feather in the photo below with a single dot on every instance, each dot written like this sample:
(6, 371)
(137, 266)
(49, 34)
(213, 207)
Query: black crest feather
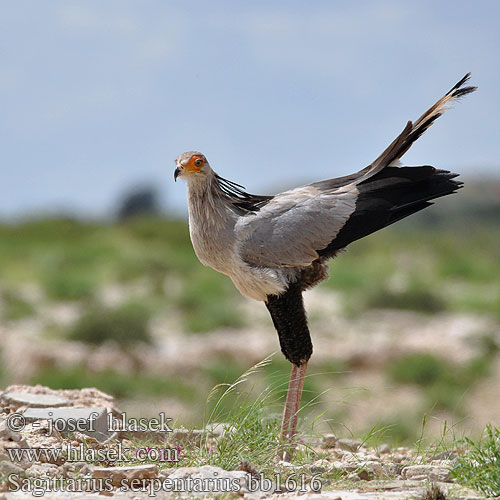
(239, 197)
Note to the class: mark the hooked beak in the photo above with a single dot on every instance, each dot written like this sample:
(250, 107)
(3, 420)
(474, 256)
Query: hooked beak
(177, 172)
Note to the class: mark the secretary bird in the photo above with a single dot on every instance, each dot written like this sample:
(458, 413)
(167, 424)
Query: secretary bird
(275, 247)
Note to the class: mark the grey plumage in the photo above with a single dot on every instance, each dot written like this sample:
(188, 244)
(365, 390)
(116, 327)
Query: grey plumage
(264, 243)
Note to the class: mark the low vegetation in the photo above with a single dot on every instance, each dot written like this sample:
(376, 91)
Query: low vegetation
(444, 384)
(121, 385)
(479, 468)
(126, 325)
(15, 307)
(421, 265)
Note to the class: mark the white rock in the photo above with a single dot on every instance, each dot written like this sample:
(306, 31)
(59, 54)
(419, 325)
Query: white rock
(422, 472)
(35, 400)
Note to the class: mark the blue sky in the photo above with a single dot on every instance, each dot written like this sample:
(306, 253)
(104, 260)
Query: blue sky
(99, 96)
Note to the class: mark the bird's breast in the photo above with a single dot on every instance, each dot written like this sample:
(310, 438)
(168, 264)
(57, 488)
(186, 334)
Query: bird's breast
(213, 245)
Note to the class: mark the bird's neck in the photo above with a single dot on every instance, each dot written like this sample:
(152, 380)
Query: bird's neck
(206, 203)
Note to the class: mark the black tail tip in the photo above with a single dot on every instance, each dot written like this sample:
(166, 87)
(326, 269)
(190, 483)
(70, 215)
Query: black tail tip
(458, 91)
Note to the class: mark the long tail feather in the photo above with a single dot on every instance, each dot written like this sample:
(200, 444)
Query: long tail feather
(413, 130)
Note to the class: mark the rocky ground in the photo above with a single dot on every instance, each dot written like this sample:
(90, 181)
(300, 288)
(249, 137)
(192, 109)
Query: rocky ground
(36, 419)
(365, 345)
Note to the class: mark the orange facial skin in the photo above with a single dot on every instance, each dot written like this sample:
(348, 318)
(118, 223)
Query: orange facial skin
(195, 163)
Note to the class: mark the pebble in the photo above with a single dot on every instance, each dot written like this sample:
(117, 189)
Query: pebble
(8, 434)
(445, 455)
(329, 441)
(187, 436)
(349, 444)
(7, 468)
(393, 469)
(125, 473)
(384, 448)
(212, 472)
(398, 458)
(320, 466)
(43, 470)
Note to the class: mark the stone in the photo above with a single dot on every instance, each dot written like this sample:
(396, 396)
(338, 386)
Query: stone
(349, 444)
(7, 468)
(329, 441)
(187, 436)
(393, 469)
(34, 400)
(8, 434)
(423, 472)
(398, 458)
(373, 468)
(210, 472)
(320, 466)
(43, 470)
(445, 455)
(89, 421)
(384, 448)
(126, 473)
(40, 435)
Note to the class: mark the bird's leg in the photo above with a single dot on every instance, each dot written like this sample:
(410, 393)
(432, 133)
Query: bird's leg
(290, 413)
(289, 319)
(287, 412)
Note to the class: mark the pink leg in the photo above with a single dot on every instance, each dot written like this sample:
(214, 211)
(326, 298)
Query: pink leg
(290, 414)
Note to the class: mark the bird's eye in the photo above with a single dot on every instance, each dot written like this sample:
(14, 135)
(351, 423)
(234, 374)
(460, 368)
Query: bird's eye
(198, 162)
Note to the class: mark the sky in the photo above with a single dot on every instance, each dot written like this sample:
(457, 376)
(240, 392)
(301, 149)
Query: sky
(100, 96)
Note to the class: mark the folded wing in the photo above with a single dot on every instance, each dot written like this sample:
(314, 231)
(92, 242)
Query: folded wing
(296, 227)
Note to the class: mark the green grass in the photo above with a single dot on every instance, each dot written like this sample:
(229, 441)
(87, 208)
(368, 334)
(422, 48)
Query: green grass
(440, 269)
(61, 284)
(252, 426)
(479, 467)
(126, 325)
(208, 302)
(416, 297)
(399, 431)
(419, 369)
(250, 436)
(120, 385)
(436, 269)
(14, 307)
(444, 384)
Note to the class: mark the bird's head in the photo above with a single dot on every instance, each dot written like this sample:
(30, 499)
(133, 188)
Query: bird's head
(191, 165)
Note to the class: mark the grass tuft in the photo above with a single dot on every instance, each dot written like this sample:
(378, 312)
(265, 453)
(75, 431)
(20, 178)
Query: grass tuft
(433, 492)
(479, 468)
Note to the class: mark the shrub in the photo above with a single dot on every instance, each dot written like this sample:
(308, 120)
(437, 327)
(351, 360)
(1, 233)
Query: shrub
(420, 369)
(126, 325)
(444, 384)
(68, 285)
(416, 298)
